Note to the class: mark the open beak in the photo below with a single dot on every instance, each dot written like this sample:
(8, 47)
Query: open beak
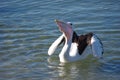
(58, 21)
(60, 24)
(64, 28)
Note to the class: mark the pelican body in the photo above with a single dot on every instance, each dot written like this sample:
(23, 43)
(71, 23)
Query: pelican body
(74, 45)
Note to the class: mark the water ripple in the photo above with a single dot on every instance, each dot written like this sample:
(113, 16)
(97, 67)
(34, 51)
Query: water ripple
(27, 29)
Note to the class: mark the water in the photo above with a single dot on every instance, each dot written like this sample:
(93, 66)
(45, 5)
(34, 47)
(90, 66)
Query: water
(27, 29)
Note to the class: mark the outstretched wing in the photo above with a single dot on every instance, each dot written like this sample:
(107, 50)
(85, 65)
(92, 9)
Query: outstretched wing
(55, 44)
(97, 47)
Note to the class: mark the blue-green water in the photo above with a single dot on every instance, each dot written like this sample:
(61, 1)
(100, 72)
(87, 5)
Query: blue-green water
(27, 29)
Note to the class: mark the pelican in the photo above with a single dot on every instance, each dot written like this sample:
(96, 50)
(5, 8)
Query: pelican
(74, 48)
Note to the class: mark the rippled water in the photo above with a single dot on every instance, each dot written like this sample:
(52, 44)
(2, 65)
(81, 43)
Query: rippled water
(27, 29)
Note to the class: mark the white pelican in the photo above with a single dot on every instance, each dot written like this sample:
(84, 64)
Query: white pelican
(74, 45)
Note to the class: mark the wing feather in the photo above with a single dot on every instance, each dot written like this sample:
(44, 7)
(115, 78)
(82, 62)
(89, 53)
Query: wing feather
(55, 44)
(97, 47)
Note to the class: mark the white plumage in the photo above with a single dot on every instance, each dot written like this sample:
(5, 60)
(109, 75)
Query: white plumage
(75, 46)
(55, 45)
(97, 47)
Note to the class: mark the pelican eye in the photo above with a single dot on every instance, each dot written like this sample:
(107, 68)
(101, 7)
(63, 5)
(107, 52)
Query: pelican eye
(70, 23)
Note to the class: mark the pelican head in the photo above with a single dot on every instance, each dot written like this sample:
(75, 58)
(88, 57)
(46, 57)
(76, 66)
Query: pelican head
(65, 28)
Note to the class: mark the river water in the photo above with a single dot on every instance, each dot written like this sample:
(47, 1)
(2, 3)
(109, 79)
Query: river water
(27, 29)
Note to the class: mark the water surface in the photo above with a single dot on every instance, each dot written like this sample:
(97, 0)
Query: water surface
(27, 29)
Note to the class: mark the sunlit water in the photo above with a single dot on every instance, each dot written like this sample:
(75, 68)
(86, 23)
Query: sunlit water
(27, 29)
